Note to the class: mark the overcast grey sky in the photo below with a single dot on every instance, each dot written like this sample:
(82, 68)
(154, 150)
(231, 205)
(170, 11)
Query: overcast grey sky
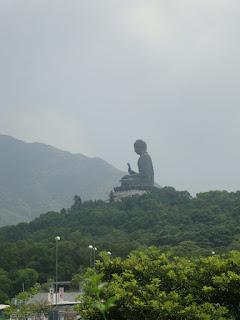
(92, 76)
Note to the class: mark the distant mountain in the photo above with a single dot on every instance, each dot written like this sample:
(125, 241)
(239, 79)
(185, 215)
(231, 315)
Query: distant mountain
(35, 178)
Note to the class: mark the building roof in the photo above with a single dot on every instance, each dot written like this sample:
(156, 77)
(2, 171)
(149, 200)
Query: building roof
(69, 297)
(4, 306)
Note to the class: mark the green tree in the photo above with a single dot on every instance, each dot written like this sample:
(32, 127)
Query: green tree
(5, 285)
(26, 278)
(95, 301)
(77, 203)
(153, 285)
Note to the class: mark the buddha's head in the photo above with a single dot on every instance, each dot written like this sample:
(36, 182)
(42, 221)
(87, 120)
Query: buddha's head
(140, 147)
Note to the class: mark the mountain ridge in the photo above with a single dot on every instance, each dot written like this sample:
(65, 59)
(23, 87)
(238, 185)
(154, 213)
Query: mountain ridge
(36, 178)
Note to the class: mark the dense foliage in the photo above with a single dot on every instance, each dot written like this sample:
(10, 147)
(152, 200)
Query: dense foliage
(171, 220)
(153, 285)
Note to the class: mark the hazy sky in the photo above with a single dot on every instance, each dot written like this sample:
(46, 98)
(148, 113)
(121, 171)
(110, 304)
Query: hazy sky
(92, 76)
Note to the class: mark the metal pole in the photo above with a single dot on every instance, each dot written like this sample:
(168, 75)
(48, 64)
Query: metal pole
(56, 275)
(90, 255)
(90, 258)
(56, 286)
(94, 257)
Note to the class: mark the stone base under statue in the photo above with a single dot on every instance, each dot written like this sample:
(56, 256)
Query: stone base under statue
(124, 191)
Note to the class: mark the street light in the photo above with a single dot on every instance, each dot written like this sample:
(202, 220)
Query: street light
(94, 256)
(56, 274)
(90, 255)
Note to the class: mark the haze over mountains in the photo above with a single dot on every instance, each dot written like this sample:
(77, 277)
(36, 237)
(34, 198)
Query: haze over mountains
(36, 178)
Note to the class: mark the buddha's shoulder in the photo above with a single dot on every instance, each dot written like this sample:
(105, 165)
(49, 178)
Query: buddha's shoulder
(145, 157)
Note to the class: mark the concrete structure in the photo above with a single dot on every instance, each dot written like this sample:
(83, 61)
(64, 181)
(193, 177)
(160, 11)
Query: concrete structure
(119, 195)
(69, 298)
(62, 310)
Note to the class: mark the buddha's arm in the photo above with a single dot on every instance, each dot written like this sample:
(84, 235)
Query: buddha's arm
(130, 171)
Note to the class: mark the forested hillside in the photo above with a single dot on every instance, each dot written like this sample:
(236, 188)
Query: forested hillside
(36, 178)
(168, 219)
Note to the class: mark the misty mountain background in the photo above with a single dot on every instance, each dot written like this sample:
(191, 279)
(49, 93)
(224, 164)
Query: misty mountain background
(36, 178)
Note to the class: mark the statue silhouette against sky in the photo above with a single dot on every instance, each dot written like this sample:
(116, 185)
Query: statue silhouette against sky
(145, 176)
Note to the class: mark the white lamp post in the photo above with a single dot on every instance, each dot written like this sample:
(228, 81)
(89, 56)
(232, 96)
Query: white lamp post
(56, 275)
(93, 250)
(94, 256)
(90, 255)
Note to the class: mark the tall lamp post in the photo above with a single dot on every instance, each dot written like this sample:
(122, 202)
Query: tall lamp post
(56, 271)
(92, 257)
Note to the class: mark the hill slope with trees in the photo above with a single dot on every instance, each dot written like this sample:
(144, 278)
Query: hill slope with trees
(168, 219)
(36, 178)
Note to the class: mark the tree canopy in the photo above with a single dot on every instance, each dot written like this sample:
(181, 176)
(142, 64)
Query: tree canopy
(171, 220)
(150, 284)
